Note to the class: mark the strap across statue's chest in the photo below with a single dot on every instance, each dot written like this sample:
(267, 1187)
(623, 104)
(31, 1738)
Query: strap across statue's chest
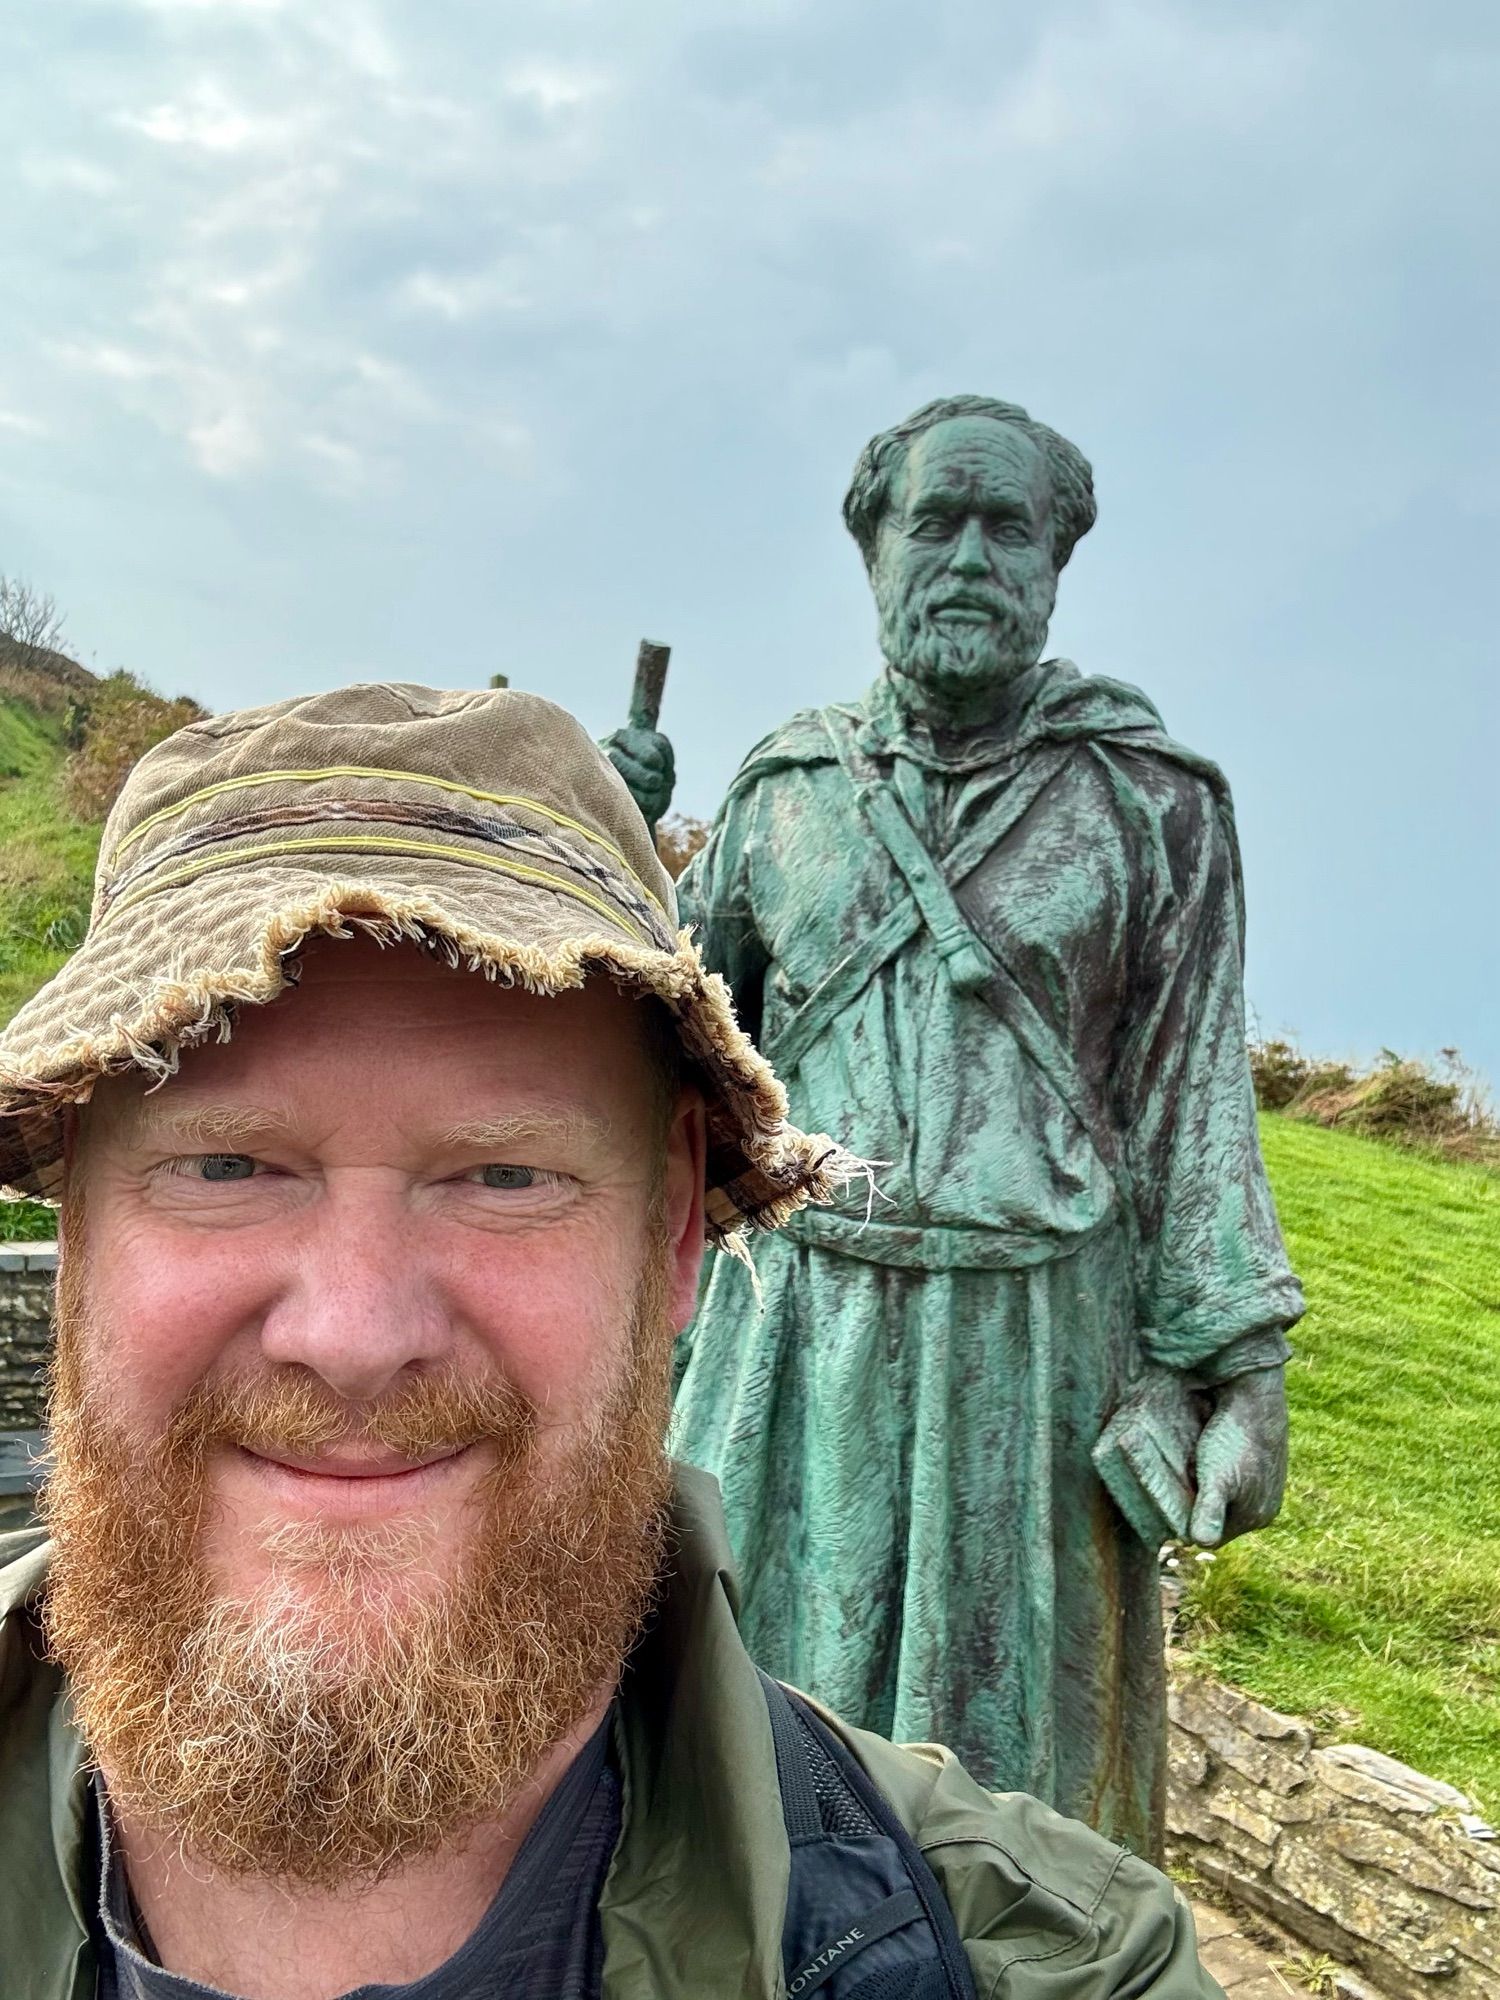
(900, 893)
(849, 868)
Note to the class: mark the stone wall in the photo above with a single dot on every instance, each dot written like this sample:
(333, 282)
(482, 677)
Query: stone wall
(1350, 1852)
(26, 1276)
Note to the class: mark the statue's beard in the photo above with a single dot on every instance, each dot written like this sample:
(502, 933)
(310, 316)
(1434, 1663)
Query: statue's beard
(958, 668)
(332, 1724)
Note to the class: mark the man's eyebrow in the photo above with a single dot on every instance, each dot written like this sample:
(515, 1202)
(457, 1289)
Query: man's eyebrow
(495, 1136)
(155, 1119)
(1021, 506)
(965, 499)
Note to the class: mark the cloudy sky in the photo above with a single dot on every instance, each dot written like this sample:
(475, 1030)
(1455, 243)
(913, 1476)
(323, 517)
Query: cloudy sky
(353, 339)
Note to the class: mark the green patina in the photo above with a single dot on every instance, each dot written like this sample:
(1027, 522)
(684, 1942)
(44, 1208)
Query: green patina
(987, 924)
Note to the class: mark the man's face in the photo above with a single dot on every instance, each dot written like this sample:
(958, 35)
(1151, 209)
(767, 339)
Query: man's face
(964, 574)
(376, 1297)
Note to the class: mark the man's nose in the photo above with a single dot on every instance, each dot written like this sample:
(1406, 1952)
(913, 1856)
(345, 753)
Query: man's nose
(971, 557)
(360, 1309)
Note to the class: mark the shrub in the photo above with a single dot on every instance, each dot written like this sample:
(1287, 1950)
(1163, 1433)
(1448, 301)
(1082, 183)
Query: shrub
(41, 687)
(27, 1222)
(1439, 1107)
(119, 722)
(678, 839)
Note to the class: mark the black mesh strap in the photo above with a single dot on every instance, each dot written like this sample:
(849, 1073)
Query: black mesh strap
(858, 1879)
(799, 1798)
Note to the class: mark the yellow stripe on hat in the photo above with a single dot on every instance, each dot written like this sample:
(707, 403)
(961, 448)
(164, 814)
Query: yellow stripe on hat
(377, 844)
(253, 778)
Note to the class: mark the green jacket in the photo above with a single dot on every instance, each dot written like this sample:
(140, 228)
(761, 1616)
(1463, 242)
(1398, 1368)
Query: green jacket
(692, 1908)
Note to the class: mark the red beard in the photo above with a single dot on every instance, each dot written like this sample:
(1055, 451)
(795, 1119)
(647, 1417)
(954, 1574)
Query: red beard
(322, 1730)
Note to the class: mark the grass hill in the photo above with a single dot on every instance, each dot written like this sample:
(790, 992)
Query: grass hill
(67, 739)
(1373, 1605)
(47, 851)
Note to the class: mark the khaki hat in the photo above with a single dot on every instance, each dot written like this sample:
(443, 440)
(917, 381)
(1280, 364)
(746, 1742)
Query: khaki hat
(486, 826)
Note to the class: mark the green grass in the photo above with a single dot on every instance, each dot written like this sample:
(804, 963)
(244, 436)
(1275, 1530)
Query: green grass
(46, 856)
(46, 877)
(1373, 1604)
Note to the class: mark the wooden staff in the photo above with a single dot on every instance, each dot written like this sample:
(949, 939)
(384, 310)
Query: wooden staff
(650, 680)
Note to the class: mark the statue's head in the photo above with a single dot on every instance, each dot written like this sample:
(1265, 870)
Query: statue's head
(965, 514)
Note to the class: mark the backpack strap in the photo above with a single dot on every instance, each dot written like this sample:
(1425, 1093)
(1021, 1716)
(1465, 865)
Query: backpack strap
(865, 1918)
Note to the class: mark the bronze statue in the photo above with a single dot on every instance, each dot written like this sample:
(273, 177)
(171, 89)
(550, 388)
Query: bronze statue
(987, 924)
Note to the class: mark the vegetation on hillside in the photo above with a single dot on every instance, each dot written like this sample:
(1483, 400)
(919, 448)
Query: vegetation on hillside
(65, 749)
(1438, 1108)
(67, 740)
(47, 860)
(1373, 1604)
(47, 851)
(112, 727)
(678, 839)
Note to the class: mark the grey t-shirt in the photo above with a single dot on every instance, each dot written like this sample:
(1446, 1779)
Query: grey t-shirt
(539, 1940)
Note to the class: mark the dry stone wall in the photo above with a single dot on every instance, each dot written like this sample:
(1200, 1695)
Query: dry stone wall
(26, 1279)
(27, 1273)
(1355, 1855)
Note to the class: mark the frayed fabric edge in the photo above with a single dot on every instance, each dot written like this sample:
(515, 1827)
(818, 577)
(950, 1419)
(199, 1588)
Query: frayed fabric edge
(797, 1167)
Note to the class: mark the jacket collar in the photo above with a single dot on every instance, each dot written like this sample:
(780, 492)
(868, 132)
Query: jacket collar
(696, 1895)
(42, 1786)
(696, 1899)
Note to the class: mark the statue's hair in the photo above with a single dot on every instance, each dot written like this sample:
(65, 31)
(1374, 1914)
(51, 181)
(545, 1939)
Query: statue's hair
(869, 492)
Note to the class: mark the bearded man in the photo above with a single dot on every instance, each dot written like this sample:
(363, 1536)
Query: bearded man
(987, 925)
(377, 1649)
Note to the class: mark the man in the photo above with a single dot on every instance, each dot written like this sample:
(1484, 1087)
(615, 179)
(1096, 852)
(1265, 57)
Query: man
(376, 1650)
(986, 923)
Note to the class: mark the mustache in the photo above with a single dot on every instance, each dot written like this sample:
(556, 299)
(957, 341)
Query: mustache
(291, 1410)
(996, 603)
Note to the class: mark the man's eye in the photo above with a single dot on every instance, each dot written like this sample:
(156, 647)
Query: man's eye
(225, 1167)
(509, 1177)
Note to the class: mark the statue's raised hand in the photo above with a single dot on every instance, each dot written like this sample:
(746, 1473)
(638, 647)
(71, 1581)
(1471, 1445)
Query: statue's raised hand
(644, 759)
(1241, 1458)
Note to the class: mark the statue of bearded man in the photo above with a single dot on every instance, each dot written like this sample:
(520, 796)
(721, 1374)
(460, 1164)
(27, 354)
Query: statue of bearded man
(987, 924)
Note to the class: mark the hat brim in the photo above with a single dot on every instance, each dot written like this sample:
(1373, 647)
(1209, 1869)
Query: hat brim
(164, 973)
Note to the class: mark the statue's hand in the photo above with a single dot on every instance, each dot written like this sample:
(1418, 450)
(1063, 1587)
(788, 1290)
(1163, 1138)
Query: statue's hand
(643, 758)
(1241, 1458)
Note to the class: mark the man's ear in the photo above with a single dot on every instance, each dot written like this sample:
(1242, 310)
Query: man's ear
(686, 1166)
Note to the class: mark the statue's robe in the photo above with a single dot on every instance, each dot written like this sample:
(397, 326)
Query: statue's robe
(1067, 1188)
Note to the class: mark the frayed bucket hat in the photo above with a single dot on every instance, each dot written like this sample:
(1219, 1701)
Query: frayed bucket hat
(485, 827)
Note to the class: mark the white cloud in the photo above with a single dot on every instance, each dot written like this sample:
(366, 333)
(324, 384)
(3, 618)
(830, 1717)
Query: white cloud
(207, 7)
(23, 426)
(553, 86)
(236, 289)
(279, 306)
(226, 446)
(338, 468)
(356, 37)
(466, 295)
(396, 389)
(205, 119)
(1143, 63)
(101, 358)
(68, 174)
